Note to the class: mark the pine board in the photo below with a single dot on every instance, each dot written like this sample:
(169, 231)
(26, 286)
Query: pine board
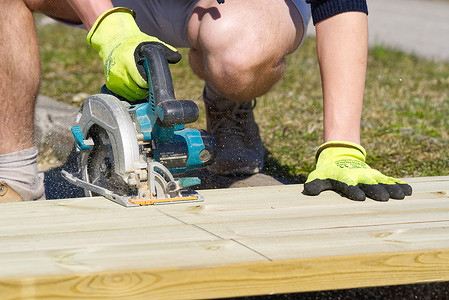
(238, 242)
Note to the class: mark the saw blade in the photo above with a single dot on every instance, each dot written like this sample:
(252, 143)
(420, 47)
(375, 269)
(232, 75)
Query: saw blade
(100, 171)
(100, 167)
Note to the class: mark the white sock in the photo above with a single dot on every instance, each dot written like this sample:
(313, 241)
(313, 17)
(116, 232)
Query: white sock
(19, 171)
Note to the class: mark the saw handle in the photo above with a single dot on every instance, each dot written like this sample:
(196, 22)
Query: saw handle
(169, 111)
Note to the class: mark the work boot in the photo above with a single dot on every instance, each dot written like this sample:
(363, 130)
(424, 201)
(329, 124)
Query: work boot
(7, 194)
(240, 150)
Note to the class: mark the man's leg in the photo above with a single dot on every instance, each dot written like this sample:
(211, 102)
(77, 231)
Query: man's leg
(19, 85)
(238, 48)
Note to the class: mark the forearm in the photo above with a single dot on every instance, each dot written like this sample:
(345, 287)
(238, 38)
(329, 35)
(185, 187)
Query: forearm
(342, 46)
(90, 10)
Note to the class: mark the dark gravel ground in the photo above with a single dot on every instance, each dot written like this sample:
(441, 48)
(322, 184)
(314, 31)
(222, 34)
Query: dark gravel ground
(424, 291)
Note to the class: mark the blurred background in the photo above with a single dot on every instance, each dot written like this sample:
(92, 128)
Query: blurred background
(405, 127)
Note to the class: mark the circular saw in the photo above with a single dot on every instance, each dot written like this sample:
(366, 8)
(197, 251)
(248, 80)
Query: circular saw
(138, 153)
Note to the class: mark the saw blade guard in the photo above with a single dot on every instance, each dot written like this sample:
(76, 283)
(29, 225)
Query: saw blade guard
(110, 114)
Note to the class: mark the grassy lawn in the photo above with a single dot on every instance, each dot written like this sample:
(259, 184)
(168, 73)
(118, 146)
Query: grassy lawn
(405, 125)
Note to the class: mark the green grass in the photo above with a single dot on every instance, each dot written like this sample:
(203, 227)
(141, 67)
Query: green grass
(69, 65)
(405, 124)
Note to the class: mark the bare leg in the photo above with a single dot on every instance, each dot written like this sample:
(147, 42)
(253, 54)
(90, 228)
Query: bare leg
(239, 47)
(19, 85)
(20, 71)
(19, 76)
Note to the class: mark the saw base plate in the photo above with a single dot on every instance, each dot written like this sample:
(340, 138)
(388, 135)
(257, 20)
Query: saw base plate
(187, 199)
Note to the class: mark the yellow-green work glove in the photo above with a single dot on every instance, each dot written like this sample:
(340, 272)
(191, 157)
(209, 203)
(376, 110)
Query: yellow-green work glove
(116, 36)
(340, 166)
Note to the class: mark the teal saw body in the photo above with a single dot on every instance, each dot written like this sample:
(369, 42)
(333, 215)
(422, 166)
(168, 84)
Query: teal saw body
(130, 152)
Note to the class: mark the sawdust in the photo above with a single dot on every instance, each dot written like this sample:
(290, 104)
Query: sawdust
(47, 159)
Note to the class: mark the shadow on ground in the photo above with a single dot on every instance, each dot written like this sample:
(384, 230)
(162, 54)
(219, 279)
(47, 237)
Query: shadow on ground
(428, 291)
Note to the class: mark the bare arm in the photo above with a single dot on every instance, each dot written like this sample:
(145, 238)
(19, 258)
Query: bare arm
(342, 46)
(90, 10)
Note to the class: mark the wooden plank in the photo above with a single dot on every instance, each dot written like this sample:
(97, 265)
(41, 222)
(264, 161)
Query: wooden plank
(268, 209)
(294, 221)
(343, 242)
(260, 278)
(122, 258)
(237, 242)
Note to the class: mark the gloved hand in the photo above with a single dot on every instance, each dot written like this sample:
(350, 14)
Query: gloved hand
(116, 37)
(341, 167)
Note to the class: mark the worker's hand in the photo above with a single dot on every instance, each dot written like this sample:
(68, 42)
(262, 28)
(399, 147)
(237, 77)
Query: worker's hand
(115, 36)
(341, 167)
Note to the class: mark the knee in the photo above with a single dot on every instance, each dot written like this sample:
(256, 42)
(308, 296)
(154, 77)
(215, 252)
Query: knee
(31, 5)
(243, 77)
(241, 65)
(241, 50)
(59, 9)
(34, 5)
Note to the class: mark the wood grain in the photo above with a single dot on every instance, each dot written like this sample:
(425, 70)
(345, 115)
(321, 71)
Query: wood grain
(238, 242)
(260, 278)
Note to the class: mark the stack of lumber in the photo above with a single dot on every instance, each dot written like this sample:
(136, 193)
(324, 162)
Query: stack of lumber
(243, 241)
